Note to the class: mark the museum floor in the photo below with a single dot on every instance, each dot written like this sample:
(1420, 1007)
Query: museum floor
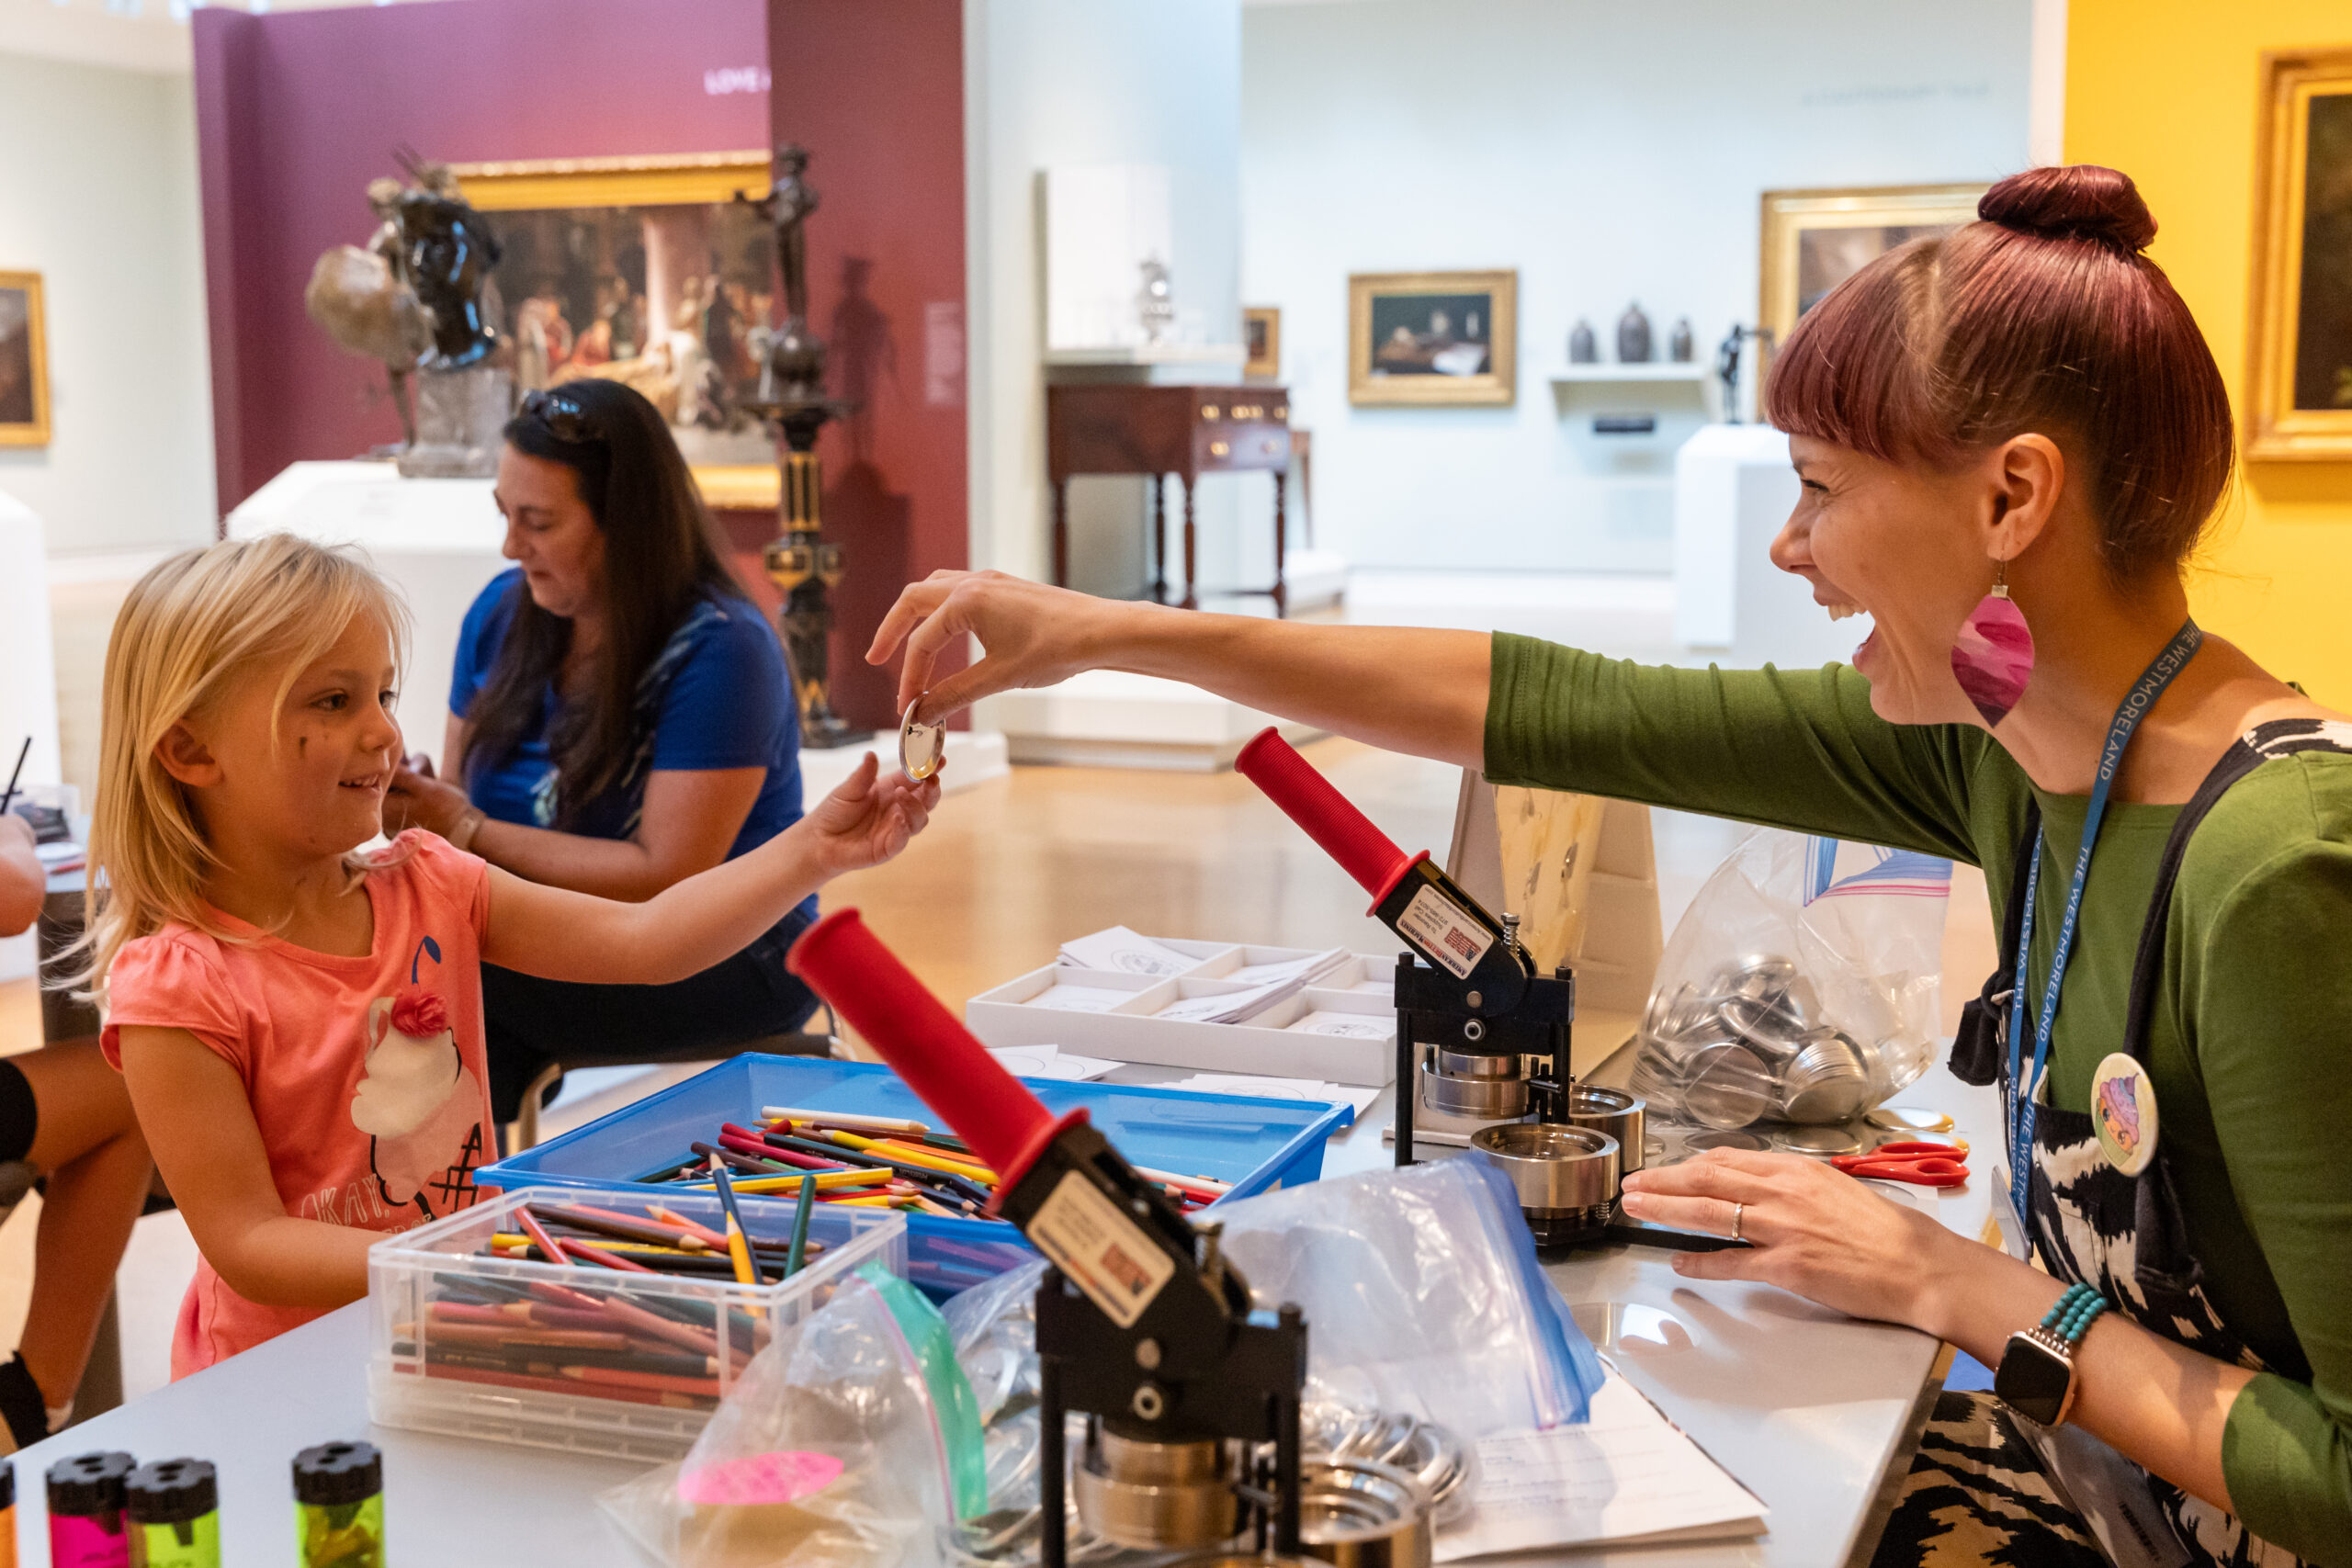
(1009, 870)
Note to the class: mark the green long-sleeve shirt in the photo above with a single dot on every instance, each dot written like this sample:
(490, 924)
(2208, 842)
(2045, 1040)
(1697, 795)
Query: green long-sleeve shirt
(2250, 1045)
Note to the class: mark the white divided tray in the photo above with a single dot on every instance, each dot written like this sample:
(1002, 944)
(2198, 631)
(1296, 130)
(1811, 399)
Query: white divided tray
(1342, 1029)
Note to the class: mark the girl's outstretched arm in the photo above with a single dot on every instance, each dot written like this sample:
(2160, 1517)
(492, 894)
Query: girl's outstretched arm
(561, 935)
(201, 1127)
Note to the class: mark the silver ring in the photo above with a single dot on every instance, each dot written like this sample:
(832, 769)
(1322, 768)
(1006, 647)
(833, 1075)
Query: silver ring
(1736, 1211)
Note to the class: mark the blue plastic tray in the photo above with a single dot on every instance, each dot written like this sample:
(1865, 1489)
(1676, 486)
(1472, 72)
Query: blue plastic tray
(1257, 1144)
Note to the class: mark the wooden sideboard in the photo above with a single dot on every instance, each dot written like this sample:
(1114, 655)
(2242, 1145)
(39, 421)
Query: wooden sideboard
(1159, 431)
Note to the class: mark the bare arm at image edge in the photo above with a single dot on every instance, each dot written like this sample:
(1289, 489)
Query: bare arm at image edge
(22, 879)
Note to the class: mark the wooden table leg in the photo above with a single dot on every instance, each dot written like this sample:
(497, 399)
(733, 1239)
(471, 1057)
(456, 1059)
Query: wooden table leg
(1159, 539)
(1191, 601)
(1061, 533)
(1282, 590)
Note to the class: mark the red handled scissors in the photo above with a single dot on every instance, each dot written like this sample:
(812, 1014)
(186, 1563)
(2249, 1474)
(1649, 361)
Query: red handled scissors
(1922, 1165)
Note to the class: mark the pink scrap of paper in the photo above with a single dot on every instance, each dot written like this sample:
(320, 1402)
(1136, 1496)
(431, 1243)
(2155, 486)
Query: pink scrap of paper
(785, 1477)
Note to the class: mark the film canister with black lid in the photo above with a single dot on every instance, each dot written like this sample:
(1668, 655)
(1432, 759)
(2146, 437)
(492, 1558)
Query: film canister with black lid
(86, 1528)
(173, 1506)
(339, 1506)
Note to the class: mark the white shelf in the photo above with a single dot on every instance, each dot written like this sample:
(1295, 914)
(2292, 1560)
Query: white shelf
(1140, 353)
(1669, 371)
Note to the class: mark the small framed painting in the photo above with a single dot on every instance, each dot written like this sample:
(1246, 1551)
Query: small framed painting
(1433, 339)
(2299, 338)
(1815, 240)
(24, 362)
(1261, 336)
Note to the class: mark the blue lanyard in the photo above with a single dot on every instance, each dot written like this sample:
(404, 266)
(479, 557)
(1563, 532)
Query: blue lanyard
(2024, 1093)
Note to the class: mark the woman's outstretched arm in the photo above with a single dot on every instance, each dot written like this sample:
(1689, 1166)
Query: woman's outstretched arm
(1409, 689)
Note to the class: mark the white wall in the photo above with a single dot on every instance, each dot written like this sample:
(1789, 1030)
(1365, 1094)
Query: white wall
(1610, 152)
(98, 195)
(1061, 81)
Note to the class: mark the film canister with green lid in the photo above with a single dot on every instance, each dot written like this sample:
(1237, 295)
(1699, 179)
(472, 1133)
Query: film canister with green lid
(174, 1506)
(85, 1522)
(339, 1506)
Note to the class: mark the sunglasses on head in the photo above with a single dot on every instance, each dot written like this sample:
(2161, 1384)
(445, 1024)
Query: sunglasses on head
(565, 420)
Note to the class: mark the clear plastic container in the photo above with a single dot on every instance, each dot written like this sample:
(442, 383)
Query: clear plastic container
(449, 1353)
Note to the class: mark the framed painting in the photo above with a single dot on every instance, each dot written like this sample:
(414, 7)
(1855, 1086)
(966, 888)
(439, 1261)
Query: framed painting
(2300, 377)
(24, 362)
(646, 271)
(1814, 240)
(1261, 339)
(1433, 339)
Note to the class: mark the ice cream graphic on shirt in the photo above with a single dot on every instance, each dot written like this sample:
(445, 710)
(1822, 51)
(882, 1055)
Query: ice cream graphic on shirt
(420, 1106)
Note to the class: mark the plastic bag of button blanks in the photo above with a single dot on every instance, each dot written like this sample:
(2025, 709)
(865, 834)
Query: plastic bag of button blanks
(837, 1446)
(1798, 987)
(1423, 1300)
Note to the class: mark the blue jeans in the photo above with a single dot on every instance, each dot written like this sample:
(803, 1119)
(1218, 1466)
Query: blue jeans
(530, 1022)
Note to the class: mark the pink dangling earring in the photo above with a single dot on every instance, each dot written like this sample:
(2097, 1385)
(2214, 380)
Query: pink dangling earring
(1993, 656)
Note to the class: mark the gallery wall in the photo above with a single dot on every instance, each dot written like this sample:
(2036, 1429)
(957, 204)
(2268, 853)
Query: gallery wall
(2166, 91)
(1052, 82)
(1611, 153)
(299, 110)
(98, 195)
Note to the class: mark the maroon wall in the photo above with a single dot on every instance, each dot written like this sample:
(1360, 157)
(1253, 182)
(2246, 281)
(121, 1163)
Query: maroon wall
(296, 112)
(875, 90)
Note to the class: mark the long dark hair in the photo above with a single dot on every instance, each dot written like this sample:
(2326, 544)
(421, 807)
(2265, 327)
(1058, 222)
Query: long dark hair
(659, 560)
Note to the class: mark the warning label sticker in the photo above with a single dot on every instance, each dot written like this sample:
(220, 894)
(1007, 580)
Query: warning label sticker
(1104, 1253)
(1445, 933)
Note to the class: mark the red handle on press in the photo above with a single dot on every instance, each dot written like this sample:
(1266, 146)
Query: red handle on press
(1346, 834)
(1005, 1124)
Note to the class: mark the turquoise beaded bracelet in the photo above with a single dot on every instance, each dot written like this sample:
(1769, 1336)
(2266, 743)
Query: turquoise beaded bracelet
(2073, 1314)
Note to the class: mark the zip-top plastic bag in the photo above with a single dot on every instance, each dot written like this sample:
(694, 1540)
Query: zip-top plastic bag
(1798, 987)
(839, 1447)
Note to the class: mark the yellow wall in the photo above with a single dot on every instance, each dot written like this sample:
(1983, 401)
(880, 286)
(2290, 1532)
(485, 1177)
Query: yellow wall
(2165, 91)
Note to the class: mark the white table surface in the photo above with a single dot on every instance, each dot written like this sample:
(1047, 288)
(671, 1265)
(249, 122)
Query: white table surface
(1813, 1412)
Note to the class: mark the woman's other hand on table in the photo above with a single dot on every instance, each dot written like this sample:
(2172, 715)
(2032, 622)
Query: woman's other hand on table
(1812, 1230)
(1031, 634)
(415, 799)
(868, 819)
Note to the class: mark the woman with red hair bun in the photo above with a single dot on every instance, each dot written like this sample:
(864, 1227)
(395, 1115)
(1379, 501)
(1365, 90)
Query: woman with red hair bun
(2010, 441)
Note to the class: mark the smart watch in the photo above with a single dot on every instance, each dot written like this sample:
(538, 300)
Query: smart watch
(2036, 1377)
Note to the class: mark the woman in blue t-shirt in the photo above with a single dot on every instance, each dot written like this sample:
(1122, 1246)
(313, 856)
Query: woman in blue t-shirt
(620, 718)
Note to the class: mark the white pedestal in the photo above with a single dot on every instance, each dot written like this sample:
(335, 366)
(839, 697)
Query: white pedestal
(1105, 718)
(438, 541)
(27, 677)
(1732, 491)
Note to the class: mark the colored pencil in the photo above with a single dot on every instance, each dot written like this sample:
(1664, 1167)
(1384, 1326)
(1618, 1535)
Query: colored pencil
(738, 1246)
(842, 1119)
(801, 1227)
(753, 1164)
(670, 1216)
(547, 1242)
(624, 1377)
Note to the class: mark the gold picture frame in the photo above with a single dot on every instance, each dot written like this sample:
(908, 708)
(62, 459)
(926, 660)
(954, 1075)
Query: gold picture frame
(1262, 342)
(695, 180)
(1433, 339)
(1814, 240)
(2298, 376)
(24, 362)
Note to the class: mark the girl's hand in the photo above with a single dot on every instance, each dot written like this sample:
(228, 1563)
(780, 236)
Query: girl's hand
(868, 819)
(419, 800)
(1814, 1231)
(1031, 634)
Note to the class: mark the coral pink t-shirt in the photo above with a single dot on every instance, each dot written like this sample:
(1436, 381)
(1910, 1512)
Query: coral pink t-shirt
(365, 1076)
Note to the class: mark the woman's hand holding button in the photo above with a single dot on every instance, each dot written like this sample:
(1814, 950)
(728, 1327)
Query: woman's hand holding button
(1030, 635)
(1811, 1229)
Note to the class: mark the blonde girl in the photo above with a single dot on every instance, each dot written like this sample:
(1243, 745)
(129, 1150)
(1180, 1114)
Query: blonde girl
(300, 1030)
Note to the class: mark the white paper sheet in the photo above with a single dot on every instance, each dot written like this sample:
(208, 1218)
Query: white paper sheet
(1049, 1062)
(1626, 1474)
(1226, 1007)
(1126, 952)
(1078, 999)
(1278, 1089)
(1303, 970)
(1347, 1025)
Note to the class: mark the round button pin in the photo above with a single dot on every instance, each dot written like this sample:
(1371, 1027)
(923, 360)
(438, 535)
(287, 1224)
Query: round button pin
(2123, 1111)
(922, 747)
